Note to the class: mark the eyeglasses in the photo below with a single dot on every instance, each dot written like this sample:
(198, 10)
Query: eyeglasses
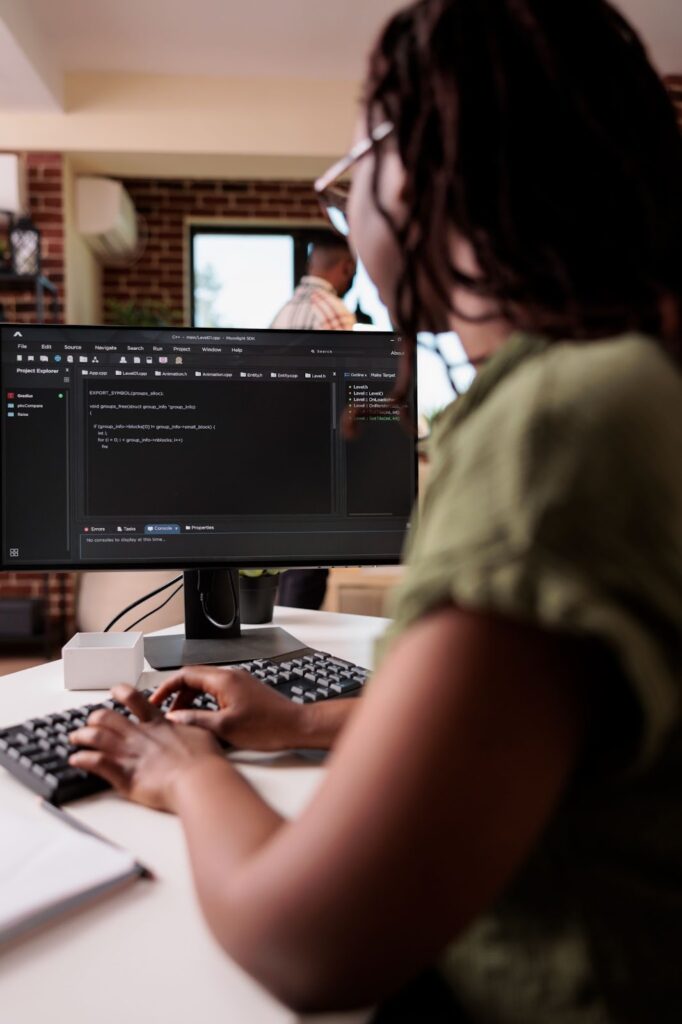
(332, 192)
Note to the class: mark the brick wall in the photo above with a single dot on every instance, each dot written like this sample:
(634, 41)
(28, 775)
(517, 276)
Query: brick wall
(163, 205)
(60, 605)
(44, 174)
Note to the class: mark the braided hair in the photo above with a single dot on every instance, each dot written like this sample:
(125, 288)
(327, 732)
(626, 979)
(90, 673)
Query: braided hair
(539, 131)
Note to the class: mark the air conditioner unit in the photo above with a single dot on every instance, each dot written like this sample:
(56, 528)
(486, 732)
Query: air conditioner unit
(106, 217)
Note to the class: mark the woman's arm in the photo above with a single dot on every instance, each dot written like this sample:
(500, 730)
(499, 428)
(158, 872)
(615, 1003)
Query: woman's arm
(436, 793)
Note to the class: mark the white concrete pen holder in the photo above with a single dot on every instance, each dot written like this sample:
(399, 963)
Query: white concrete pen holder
(97, 661)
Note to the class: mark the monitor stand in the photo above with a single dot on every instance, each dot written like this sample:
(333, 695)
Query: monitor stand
(217, 639)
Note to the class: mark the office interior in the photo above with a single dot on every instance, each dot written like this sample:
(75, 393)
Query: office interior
(160, 158)
(160, 152)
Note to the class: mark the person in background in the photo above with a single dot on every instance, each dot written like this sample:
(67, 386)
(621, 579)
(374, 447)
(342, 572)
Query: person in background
(317, 305)
(504, 803)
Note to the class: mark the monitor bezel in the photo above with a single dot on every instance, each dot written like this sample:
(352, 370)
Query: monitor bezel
(189, 564)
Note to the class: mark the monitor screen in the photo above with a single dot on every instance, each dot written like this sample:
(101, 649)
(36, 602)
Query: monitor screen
(136, 448)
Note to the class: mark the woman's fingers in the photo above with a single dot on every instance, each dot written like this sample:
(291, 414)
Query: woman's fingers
(100, 764)
(110, 720)
(177, 683)
(183, 698)
(166, 688)
(98, 738)
(191, 679)
(135, 702)
(211, 720)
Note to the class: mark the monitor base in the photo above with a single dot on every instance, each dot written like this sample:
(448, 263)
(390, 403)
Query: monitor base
(164, 652)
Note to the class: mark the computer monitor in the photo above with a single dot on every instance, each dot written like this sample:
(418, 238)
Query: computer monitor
(203, 450)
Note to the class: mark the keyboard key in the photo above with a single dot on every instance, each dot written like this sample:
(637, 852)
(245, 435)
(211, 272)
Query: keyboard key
(30, 749)
(44, 758)
(69, 774)
(347, 686)
(36, 723)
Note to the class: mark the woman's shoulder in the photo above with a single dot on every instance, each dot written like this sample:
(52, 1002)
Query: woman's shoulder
(598, 381)
(569, 394)
(572, 435)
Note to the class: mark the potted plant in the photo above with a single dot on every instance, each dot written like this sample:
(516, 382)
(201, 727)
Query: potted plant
(257, 591)
(144, 314)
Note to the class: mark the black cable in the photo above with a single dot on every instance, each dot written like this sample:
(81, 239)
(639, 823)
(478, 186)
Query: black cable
(140, 600)
(235, 604)
(157, 609)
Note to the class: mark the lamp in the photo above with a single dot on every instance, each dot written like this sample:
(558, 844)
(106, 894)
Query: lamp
(24, 239)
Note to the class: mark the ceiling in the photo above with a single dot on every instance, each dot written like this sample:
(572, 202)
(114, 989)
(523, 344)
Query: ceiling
(313, 39)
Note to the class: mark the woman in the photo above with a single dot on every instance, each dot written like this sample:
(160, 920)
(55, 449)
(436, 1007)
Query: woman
(514, 769)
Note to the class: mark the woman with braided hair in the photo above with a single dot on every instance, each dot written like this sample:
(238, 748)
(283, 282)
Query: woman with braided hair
(498, 837)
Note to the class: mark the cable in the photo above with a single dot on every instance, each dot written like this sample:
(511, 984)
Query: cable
(157, 609)
(235, 604)
(140, 600)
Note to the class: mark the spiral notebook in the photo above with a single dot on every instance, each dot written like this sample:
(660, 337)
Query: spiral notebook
(50, 866)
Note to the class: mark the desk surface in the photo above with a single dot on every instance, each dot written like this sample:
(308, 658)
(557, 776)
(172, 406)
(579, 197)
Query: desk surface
(145, 955)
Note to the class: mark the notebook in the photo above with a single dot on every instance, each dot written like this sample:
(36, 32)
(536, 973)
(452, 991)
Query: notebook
(50, 865)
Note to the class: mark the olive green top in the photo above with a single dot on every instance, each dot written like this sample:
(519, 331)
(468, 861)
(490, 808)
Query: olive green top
(555, 497)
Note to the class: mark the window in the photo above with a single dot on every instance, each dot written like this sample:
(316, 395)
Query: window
(241, 277)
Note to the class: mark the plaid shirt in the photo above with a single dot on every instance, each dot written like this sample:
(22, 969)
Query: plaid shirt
(315, 306)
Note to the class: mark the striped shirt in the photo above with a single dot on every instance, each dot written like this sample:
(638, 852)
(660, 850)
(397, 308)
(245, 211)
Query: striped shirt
(315, 306)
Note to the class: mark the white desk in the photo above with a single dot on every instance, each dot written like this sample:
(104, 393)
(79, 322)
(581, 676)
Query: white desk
(145, 956)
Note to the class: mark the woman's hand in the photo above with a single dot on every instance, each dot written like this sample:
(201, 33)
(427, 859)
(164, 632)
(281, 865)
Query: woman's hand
(252, 715)
(142, 760)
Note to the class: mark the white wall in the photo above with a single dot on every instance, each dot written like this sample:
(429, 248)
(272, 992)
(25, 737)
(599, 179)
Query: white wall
(290, 119)
(82, 269)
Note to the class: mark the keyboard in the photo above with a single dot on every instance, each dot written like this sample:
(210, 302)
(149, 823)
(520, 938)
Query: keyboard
(36, 752)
